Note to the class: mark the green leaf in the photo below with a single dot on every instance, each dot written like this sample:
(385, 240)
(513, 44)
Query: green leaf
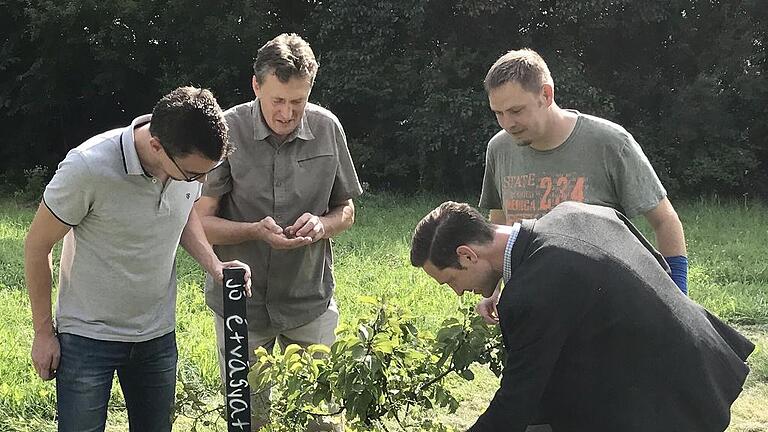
(467, 374)
(290, 350)
(318, 349)
(261, 352)
(368, 300)
(386, 347)
(364, 333)
(382, 343)
(449, 334)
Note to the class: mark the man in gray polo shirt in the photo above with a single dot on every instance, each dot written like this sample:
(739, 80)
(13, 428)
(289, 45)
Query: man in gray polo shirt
(122, 201)
(276, 203)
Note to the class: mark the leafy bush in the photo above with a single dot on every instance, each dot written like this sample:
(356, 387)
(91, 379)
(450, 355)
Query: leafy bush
(381, 370)
(687, 78)
(35, 180)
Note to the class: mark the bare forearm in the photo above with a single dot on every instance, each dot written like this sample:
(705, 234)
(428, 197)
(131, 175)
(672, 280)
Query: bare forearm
(338, 219)
(221, 231)
(670, 238)
(194, 241)
(46, 230)
(37, 271)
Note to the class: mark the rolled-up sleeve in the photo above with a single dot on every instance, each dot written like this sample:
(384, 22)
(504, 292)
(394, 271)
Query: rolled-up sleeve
(346, 185)
(218, 182)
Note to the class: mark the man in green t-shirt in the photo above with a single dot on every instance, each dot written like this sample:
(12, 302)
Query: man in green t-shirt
(545, 155)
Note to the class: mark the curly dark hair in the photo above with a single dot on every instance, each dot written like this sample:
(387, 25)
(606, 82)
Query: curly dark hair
(189, 120)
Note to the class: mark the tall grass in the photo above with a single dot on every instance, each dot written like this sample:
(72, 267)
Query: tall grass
(729, 276)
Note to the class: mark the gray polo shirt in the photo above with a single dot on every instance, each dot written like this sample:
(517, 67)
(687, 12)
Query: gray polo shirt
(118, 278)
(310, 172)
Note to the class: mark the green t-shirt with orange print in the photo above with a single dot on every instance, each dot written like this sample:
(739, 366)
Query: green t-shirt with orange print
(599, 163)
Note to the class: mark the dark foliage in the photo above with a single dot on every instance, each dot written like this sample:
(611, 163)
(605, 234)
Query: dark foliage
(686, 77)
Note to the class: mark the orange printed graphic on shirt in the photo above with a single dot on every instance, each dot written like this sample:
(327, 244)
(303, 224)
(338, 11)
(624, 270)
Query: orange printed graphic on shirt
(531, 195)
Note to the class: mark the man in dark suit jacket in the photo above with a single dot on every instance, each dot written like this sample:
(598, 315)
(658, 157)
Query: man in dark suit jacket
(598, 336)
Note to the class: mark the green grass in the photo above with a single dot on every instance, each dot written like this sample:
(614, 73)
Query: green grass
(728, 275)
(728, 270)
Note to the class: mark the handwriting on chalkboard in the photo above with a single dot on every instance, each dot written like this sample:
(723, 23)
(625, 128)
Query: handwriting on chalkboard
(236, 352)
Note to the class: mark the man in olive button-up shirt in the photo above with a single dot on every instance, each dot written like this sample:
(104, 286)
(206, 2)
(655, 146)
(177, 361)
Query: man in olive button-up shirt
(277, 201)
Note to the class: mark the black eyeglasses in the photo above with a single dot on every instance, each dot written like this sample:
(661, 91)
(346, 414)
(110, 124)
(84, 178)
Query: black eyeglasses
(196, 176)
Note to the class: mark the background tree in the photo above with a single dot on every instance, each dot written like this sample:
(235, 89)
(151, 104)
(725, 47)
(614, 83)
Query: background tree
(686, 77)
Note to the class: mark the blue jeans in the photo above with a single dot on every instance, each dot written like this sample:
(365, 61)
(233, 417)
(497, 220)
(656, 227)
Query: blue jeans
(147, 374)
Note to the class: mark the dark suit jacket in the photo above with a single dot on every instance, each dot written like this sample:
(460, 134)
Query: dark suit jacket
(599, 338)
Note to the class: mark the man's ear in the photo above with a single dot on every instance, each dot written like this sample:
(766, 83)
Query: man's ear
(465, 252)
(547, 94)
(154, 144)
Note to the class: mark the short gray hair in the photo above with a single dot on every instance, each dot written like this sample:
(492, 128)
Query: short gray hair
(287, 56)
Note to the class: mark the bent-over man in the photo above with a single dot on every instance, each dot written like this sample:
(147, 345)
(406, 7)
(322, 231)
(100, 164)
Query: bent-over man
(598, 337)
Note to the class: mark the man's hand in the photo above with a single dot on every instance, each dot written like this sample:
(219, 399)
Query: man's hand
(273, 234)
(308, 225)
(486, 307)
(45, 354)
(46, 230)
(218, 272)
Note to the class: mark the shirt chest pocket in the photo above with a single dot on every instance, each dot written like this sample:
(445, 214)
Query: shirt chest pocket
(314, 160)
(320, 163)
(316, 170)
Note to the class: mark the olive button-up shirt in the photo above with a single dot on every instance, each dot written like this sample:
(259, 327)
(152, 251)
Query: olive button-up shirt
(311, 171)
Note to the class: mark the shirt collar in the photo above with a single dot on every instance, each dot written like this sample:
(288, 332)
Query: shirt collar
(261, 130)
(131, 161)
(507, 270)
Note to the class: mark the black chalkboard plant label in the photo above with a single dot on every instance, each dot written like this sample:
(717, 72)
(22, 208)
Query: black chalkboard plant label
(236, 352)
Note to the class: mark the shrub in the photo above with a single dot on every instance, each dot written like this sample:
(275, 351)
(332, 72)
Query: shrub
(381, 370)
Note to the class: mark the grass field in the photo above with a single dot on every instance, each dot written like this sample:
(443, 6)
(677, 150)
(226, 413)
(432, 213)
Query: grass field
(729, 276)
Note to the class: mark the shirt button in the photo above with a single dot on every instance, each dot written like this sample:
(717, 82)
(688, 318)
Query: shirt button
(154, 180)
